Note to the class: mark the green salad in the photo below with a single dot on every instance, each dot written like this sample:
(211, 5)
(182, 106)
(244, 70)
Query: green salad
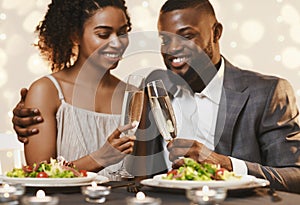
(194, 171)
(54, 169)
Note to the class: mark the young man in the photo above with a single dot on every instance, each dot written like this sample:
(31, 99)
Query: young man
(252, 118)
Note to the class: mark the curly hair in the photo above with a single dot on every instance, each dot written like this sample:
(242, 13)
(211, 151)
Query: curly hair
(62, 22)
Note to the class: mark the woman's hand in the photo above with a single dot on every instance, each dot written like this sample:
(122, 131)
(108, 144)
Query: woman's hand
(115, 148)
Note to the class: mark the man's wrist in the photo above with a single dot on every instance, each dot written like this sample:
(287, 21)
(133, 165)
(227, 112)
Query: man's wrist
(238, 166)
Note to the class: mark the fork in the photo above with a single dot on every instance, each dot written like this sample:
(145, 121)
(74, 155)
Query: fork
(133, 188)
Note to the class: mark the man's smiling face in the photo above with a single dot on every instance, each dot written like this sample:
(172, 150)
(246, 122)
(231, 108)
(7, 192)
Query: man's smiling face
(187, 34)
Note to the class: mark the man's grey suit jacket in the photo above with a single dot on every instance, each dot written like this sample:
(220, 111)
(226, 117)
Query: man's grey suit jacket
(258, 122)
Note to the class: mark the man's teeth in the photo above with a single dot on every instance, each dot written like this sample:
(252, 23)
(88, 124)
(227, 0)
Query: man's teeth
(178, 60)
(112, 55)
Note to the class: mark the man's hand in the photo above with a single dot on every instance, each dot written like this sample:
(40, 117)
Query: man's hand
(197, 151)
(24, 117)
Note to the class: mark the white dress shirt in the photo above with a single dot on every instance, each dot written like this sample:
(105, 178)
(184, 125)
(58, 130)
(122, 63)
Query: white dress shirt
(196, 116)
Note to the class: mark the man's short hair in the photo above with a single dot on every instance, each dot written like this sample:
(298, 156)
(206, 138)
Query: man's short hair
(171, 5)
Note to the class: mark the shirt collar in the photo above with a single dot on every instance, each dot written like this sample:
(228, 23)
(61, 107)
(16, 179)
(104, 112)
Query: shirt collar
(213, 90)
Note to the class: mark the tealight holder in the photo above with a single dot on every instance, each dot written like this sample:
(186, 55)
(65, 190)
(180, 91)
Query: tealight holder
(95, 193)
(11, 192)
(141, 199)
(206, 196)
(40, 199)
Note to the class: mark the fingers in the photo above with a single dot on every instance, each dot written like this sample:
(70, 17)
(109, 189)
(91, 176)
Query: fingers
(179, 142)
(177, 163)
(23, 93)
(26, 121)
(187, 148)
(116, 134)
(19, 111)
(128, 126)
(123, 140)
(127, 147)
(25, 132)
(198, 153)
(24, 117)
(124, 147)
(175, 153)
(22, 131)
(23, 139)
(182, 143)
(124, 144)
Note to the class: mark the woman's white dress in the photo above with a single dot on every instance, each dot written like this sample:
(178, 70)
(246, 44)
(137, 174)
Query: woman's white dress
(81, 132)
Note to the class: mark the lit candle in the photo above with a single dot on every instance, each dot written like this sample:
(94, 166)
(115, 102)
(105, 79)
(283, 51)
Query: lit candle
(7, 189)
(93, 187)
(95, 193)
(205, 196)
(141, 199)
(8, 193)
(207, 193)
(40, 199)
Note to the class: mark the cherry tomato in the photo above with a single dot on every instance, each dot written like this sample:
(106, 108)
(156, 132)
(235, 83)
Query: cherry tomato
(27, 169)
(173, 171)
(42, 175)
(83, 173)
(220, 172)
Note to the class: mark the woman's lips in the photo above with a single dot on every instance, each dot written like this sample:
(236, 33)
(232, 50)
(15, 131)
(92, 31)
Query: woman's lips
(112, 56)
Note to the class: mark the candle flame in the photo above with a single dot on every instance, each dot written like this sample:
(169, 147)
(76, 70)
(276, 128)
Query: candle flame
(40, 194)
(94, 184)
(140, 195)
(205, 189)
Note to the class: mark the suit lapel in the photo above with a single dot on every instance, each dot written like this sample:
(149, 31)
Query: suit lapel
(234, 97)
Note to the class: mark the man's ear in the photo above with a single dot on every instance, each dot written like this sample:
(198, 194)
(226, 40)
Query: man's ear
(217, 29)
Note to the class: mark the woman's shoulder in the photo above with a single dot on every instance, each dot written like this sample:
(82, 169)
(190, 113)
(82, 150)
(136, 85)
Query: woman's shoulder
(43, 84)
(42, 90)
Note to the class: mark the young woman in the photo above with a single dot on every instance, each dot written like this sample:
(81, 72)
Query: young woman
(83, 40)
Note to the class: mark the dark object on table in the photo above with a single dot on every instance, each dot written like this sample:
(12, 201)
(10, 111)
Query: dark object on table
(274, 196)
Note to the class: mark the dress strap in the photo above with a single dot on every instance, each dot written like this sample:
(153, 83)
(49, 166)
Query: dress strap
(60, 94)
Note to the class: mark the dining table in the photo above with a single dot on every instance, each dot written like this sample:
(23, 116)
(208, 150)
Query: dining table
(120, 191)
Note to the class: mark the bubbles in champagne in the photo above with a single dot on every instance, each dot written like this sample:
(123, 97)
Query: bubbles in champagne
(132, 109)
(136, 106)
(164, 116)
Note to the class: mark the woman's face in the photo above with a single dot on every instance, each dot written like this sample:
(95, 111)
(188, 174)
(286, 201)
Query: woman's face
(106, 33)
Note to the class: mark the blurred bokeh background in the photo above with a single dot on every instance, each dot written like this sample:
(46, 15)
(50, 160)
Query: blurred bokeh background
(258, 35)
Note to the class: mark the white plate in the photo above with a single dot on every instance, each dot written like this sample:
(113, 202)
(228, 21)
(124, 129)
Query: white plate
(57, 182)
(246, 181)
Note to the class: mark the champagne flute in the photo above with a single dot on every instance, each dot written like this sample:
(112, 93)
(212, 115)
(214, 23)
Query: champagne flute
(132, 109)
(162, 109)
